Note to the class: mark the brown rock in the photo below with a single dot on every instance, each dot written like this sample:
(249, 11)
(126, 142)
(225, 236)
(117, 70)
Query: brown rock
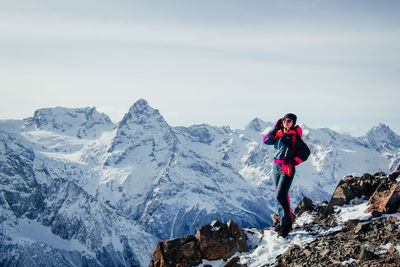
(176, 251)
(304, 205)
(386, 199)
(350, 188)
(392, 250)
(361, 227)
(393, 176)
(212, 242)
(324, 252)
(307, 252)
(341, 196)
(393, 219)
(350, 225)
(221, 242)
(234, 230)
(334, 261)
(366, 255)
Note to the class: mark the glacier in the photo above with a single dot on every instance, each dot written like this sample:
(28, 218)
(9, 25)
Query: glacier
(78, 189)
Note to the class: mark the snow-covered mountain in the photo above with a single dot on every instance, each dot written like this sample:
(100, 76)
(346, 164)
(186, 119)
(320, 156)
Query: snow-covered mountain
(76, 185)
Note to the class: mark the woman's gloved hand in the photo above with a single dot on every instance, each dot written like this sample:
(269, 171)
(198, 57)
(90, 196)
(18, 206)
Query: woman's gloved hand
(279, 124)
(290, 162)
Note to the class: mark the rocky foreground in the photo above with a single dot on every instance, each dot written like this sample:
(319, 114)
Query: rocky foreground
(358, 227)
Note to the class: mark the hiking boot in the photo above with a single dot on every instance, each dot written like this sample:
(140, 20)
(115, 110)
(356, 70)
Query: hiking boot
(284, 230)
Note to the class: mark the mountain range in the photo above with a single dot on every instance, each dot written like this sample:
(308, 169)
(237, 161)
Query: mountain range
(78, 189)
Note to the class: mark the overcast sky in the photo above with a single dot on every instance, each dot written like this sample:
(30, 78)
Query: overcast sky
(335, 64)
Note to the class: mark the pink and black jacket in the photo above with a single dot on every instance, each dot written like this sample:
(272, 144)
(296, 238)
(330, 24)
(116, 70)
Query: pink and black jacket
(289, 148)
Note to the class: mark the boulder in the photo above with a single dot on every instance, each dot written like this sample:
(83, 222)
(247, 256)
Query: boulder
(211, 242)
(386, 199)
(353, 187)
(393, 176)
(178, 251)
(221, 241)
(304, 205)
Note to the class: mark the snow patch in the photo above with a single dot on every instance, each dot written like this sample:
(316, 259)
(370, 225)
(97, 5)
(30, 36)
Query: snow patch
(32, 231)
(351, 212)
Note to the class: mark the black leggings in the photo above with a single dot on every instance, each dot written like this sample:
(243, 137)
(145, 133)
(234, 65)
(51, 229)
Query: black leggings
(282, 184)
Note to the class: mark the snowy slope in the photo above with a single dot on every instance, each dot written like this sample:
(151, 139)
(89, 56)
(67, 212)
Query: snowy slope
(50, 220)
(160, 181)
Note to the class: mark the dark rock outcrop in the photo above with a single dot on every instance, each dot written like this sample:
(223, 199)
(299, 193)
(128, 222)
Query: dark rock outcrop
(211, 242)
(386, 198)
(305, 204)
(221, 241)
(354, 187)
(183, 251)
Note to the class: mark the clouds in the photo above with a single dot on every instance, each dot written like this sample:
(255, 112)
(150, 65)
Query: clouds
(240, 60)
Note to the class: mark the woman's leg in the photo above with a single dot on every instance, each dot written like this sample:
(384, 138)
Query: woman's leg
(277, 172)
(282, 195)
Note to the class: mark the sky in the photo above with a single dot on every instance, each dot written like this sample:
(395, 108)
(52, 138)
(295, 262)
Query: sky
(334, 64)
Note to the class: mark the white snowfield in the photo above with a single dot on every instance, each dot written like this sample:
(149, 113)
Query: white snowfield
(169, 180)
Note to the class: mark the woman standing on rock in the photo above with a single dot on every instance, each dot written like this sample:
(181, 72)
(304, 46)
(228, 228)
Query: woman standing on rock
(289, 151)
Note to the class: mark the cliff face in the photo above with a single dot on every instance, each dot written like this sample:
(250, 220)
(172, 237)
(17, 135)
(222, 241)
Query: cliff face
(359, 226)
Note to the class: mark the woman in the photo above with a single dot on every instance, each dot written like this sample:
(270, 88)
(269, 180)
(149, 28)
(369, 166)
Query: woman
(289, 151)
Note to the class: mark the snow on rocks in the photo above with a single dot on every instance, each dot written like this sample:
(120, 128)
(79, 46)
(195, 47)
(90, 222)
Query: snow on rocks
(347, 236)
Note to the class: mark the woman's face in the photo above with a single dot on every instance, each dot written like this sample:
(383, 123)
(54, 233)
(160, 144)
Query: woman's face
(287, 123)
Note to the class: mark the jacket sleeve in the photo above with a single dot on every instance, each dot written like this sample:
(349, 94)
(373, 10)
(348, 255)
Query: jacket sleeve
(269, 139)
(302, 150)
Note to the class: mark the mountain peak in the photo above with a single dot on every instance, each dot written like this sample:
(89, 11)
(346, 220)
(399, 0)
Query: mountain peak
(382, 130)
(140, 105)
(141, 124)
(140, 112)
(382, 137)
(380, 127)
(80, 122)
(256, 124)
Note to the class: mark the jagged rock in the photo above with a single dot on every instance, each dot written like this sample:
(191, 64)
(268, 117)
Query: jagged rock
(392, 219)
(366, 255)
(392, 250)
(184, 251)
(361, 227)
(211, 242)
(393, 176)
(350, 225)
(350, 188)
(386, 198)
(221, 241)
(304, 205)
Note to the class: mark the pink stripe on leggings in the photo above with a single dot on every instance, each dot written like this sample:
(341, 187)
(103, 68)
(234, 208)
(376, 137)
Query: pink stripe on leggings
(290, 209)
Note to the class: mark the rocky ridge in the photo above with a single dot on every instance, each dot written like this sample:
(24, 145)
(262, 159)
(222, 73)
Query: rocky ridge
(359, 226)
